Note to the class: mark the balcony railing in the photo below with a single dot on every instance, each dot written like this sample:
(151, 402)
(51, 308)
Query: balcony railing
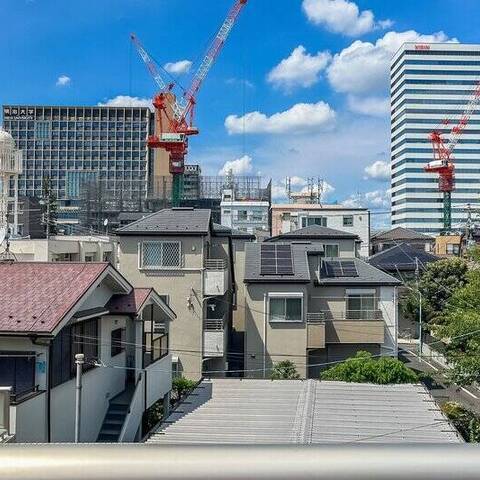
(214, 337)
(315, 317)
(215, 264)
(213, 324)
(352, 314)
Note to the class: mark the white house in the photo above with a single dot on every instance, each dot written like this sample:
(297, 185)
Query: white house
(51, 311)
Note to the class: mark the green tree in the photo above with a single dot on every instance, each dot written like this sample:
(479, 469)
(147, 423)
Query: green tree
(364, 368)
(473, 254)
(50, 212)
(461, 329)
(437, 284)
(284, 370)
(180, 387)
(464, 420)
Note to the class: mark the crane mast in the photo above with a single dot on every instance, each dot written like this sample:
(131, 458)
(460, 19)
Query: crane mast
(443, 162)
(174, 113)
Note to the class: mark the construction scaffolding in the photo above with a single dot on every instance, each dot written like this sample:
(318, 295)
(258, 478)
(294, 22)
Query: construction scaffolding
(245, 187)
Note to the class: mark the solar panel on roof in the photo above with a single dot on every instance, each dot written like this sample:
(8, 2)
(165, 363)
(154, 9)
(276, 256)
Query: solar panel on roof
(340, 268)
(276, 259)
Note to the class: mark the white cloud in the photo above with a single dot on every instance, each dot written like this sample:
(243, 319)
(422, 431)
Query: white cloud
(364, 67)
(374, 106)
(178, 68)
(240, 81)
(126, 101)
(375, 200)
(240, 166)
(378, 170)
(63, 81)
(302, 117)
(342, 16)
(300, 69)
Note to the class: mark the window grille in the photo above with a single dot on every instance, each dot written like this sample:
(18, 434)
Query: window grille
(161, 254)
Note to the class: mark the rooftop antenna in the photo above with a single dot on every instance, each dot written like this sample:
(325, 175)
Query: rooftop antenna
(6, 256)
(288, 188)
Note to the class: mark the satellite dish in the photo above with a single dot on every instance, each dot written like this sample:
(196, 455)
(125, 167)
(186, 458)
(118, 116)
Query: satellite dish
(3, 234)
(105, 222)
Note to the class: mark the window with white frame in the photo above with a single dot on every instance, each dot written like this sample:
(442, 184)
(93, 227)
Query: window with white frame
(313, 220)
(285, 308)
(360, 306)
(160, 255)
(331, 251)
(348, 220)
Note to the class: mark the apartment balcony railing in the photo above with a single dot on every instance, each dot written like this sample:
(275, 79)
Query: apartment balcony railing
(347, 326)
(215, 276)
(214, 337)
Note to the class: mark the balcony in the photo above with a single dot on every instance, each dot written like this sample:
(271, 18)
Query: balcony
(214, 337)
(347, 326)
(215, 277)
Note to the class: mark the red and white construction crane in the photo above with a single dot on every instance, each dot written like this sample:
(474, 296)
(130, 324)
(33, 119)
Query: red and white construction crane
(443, 161)
(175, 112)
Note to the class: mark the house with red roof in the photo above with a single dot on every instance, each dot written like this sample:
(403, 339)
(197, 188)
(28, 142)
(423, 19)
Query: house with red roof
(49, 312)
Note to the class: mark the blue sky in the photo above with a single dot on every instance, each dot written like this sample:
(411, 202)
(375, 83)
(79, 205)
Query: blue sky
(328, 99)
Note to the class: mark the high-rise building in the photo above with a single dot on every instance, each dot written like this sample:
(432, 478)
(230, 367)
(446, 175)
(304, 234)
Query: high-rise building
(432, 83)
(74, 146)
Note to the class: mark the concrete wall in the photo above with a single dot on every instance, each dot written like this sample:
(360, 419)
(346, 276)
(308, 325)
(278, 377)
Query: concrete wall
(184, 288)
(31, 420)
(159, 379)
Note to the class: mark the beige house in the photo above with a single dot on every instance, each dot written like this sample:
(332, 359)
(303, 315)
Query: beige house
(179, 252)
(312, 309)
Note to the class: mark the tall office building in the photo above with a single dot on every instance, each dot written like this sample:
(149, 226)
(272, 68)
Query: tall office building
(76, 146)
(429, 84)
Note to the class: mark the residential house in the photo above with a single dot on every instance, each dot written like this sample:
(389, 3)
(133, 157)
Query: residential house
(177, 251)
(312, 309)
(51, 311)
(293, 216)
(386, 239)
(449, 245)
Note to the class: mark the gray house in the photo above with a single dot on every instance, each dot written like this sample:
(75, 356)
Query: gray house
(178, 251)
(314, 309)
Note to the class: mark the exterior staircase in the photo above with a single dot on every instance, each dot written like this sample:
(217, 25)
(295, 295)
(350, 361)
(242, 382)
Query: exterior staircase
(115, 416)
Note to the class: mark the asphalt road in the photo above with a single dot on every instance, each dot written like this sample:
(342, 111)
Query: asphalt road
(439, 387)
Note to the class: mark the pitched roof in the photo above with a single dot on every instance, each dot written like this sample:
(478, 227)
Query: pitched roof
(366, 275)
(314, 231)
(131, 303)
(36, 296)
(401, 257)
(400, 234)
(170, 221)
(301, 272)
(243, 411)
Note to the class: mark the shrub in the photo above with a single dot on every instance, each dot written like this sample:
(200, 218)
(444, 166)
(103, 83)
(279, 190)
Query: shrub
(284, 370)
(181, 386)
(464, 420)
(363, 368)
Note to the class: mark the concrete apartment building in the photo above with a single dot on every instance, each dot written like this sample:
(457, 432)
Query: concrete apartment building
(76, 145)
(247, 215)
(65, 248)
(177, 251)
(431, 83)
(312, 309)
(51, 311)
(293, 216)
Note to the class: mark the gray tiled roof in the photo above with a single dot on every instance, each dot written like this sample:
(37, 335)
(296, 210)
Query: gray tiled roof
(400, 234)
(236, 411)
(401, 257)
(252, 266)
(232, 232)
(314, 231)
(367, 275)
(187, 221)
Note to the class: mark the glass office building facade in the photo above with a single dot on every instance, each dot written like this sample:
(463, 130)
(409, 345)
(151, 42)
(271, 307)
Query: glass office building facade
(429, 84)
(74, 146)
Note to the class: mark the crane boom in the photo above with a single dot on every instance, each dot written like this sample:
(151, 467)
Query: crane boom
(210, 57)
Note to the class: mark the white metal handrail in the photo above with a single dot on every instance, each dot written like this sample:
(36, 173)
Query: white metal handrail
(224, 462)
(213, 324)
(315, 317)
(363, 315)
(215, 264)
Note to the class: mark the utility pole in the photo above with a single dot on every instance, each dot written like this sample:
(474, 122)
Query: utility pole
(420, 326)
(79, 361)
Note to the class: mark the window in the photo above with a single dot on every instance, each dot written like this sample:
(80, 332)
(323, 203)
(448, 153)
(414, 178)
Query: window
(331, 251)
(160, 255)
(360, 306)
(348, 220)
(80, 337)
(308, 221)
(117, 344)
(242, 215)
(286, 309)
(18, 372)
(42, 130)
(453, 249)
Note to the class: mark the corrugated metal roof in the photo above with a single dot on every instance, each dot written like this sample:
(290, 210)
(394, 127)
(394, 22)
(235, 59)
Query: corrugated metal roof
(235, 411)
(186, 221)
